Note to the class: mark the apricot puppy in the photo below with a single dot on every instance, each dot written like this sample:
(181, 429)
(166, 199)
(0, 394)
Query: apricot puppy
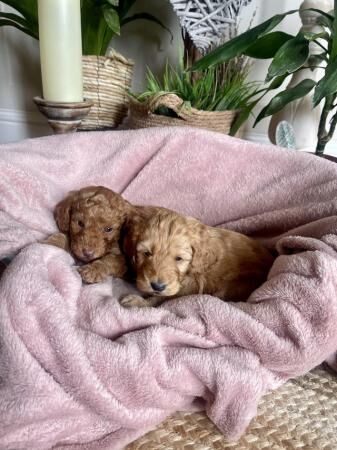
(175, 256)
(90, 221)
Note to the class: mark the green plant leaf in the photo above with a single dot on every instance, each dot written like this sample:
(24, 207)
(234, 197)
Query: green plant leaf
(290, 57)
(277, 81)
(324, 22)
(242, 117)
(238, 45)
(333, 42)
(313, 36)
(145, 16)
(96, 35)
(113, 2)
(124, 7)
(28, 8)
(328, 16)
(328, 84)
(215, 90)
(11, 23)
(111, 18)
(246, 111)
(315, 60)
(266, 46)
(10, 16)
(21, 23)
(283, 98)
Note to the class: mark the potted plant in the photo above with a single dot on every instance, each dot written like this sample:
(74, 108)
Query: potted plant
(106, 78)
(289, 55)
(210, 101)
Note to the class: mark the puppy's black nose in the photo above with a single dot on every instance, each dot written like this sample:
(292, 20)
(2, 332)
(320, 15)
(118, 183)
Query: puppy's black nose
(158, 286)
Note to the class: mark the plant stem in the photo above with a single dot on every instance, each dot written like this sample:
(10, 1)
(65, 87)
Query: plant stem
(322, 46)
(334, 34)
(333, 124)
(324, 136)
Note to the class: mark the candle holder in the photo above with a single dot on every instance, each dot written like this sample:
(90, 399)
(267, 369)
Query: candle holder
(63, 117)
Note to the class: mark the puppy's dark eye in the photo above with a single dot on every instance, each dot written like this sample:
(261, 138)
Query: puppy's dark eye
(179, 258)
(108, 229)
(147, 254)
(80, 224)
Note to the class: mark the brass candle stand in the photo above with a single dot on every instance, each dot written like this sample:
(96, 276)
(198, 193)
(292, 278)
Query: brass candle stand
(63, 117)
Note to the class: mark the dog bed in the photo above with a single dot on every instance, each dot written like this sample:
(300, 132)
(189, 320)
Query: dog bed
(79, 371)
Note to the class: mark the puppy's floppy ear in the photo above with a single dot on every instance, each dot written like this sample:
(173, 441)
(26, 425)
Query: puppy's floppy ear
(118, 202)
(130, 235)
(62, 211)
(203, 252)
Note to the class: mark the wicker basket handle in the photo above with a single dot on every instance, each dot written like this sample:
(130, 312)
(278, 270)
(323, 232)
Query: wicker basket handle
(171, 101)
(115, 56)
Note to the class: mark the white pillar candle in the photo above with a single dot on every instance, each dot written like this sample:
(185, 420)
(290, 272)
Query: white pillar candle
(61, 50)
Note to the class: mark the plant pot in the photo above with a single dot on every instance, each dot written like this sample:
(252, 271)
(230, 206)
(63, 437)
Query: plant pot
(143, 114)
(106, 80)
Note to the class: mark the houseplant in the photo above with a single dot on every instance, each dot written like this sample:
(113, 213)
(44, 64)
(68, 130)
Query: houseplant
(209, 101)
(105, 78)
(289, 55)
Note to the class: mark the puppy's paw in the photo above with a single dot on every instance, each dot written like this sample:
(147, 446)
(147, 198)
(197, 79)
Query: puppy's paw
(92, 273)
(131, 301)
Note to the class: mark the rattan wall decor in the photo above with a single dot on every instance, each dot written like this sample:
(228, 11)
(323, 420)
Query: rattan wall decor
(208, 21)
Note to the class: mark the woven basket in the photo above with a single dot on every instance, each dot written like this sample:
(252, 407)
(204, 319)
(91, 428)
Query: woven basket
(106, 80)
(142, 115)
(300, 415)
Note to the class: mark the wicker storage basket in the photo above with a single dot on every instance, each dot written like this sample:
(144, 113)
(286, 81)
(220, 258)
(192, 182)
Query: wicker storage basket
(106, 80)
(142, 115)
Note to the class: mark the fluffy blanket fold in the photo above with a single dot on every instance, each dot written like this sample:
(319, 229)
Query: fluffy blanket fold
(77, 371)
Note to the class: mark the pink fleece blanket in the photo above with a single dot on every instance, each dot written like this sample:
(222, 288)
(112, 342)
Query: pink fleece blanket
(77, 371)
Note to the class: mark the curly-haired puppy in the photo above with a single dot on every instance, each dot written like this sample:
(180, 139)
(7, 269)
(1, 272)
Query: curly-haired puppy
(175, 256)
(90, 221)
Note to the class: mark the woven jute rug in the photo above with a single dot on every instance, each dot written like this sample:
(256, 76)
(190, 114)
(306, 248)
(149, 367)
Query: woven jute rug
(301, 414)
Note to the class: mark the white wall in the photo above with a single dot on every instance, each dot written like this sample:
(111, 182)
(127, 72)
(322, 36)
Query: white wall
(20, 82)
(147, 44)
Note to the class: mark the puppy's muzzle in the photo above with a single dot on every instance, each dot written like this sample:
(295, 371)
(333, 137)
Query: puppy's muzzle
(158, 286)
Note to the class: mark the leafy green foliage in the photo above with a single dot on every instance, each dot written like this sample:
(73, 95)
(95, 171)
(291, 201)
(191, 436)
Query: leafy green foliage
(243, 115)
(27, 8)
(26, 20)
(111, 18)
(214, 90)
(290, 57)
(101, 21)
(283, 98)
(238, 45)
(289, 54)
(328, 84)
(266, 46)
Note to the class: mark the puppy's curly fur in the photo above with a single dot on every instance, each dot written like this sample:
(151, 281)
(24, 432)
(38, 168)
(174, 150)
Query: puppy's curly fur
(176, 255)
(91, 221)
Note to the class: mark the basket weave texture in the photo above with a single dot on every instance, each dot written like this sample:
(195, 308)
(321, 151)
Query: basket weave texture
(142, 114)
(301, 414)
(106, 80)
